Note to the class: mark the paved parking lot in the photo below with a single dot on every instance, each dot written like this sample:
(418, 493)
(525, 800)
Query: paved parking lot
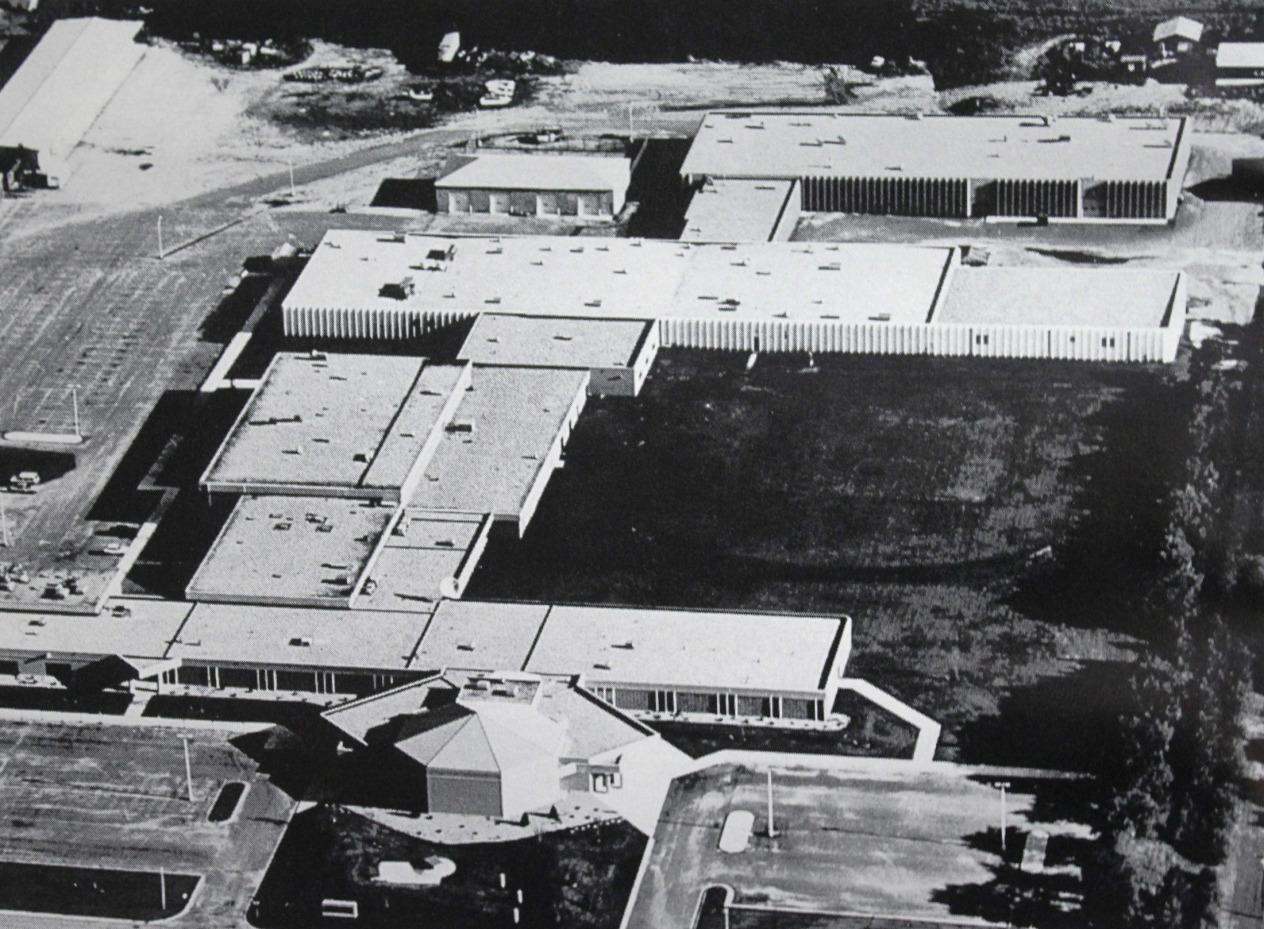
(905, 844)
(114, 796)
(89, 308)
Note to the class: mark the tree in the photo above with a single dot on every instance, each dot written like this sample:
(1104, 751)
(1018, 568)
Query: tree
(1057, 71)
(1141, 789)
(1114, 893)
(1206, 748)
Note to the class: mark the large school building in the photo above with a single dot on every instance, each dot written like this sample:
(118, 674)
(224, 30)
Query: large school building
(650, 663)
(1018, 167)
(771, 296)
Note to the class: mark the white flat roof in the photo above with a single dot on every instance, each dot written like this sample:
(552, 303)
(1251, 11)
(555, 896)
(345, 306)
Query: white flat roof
(420, 553)
(553, 341)
(1113, 297)
(276, 636)
(54, 97)
(468, 635)
(726, 210)
(309, 548)
(145, 632)
(515, 414)
(1179, 26)
(335, 420)
(499, 171)
(833, 144)
(1240, 55)
(624, 278)
(684, 648)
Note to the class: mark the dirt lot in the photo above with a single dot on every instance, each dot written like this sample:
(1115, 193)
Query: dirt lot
(923, 846)
(113, 796)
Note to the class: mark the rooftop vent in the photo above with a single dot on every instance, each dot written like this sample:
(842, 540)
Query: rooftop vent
(398, 290)
(461, 425)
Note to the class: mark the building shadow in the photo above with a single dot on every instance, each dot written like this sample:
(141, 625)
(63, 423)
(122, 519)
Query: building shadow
(407, 193)
(232, 311)
(284, 757)
(122, 499)
(657, 188)
(1228, 189)
(1064, 722)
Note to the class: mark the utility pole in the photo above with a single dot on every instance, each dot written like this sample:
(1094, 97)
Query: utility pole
(772, 827)
(291, 163)
(162, 888)
(4, 523)
(161, 252)
(188, 768)
(74, 403)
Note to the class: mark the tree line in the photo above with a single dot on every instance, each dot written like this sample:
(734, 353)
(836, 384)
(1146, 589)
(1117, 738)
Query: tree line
(1170, 787)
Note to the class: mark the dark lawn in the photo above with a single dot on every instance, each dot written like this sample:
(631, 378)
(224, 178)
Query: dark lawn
(986, 523)
(577, 879)
(105, 892)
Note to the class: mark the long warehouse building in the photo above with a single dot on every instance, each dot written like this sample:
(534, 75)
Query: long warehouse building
(52, 100)
(1111, 169)
(768, 296)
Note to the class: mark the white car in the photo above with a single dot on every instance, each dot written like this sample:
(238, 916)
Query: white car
(491, 101)
(501, 87)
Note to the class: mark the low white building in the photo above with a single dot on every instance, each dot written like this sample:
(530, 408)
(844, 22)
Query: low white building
(499, 745)
(1240, 64)
(535, 185)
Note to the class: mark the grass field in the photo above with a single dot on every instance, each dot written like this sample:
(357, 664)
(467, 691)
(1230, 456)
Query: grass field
(575, 879)
(919, 846)
(114, 797)
(939, 502)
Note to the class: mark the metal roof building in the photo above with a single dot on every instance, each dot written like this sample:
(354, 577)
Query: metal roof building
(52, 100)
(1069, 168)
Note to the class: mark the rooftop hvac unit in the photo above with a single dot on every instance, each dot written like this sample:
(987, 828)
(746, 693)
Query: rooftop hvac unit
(461, 425)
(301, 641)
(399, 290)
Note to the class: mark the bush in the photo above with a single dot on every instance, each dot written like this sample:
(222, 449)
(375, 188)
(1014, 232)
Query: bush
(1248, 585)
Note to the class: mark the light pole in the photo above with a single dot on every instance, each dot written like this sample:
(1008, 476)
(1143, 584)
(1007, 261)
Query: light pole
(1004, 785)
(188, 768)
(772, 827)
